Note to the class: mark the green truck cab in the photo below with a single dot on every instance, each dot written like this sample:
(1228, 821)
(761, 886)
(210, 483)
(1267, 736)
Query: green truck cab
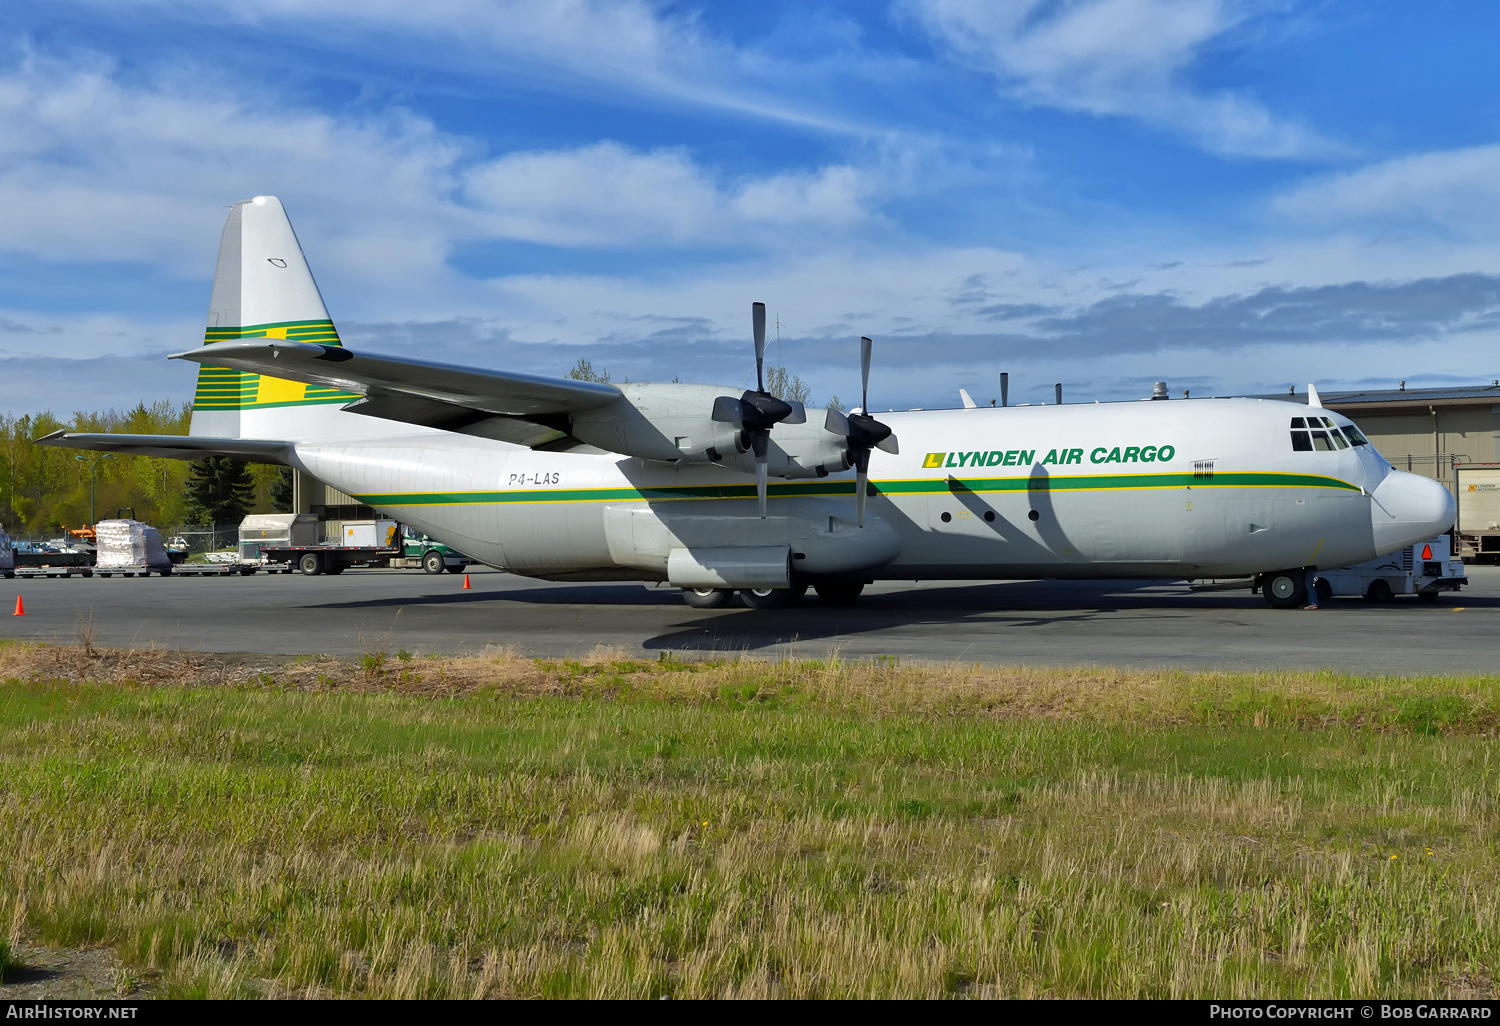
(417, 549)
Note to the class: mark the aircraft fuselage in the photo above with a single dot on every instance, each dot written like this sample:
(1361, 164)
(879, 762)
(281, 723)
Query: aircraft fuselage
(1179, 489)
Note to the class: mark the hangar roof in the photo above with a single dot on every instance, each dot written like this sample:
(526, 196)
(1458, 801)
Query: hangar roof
(1393, 398)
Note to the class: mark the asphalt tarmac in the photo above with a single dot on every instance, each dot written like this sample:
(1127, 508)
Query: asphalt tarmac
(1111, 623)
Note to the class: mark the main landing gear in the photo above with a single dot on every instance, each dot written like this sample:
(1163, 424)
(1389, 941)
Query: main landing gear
(833, 593)
(1285, 589)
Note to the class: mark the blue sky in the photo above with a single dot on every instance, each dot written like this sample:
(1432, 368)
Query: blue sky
(1230, 195)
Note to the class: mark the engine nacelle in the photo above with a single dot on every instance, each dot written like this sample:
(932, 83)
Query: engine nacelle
(672, 423)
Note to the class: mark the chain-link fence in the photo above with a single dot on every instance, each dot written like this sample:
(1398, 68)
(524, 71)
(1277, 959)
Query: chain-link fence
(195, 538)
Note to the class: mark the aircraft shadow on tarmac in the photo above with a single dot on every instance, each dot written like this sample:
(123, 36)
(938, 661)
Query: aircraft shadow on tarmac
(1020, 604)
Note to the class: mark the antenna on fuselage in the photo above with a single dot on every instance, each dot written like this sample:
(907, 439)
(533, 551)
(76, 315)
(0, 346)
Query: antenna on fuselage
(1004, 389)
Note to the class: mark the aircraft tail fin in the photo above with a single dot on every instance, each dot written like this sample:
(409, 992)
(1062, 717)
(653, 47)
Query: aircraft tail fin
(263, 289)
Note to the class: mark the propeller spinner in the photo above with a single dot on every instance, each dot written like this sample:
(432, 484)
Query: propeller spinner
(863, 432)
(758, 411)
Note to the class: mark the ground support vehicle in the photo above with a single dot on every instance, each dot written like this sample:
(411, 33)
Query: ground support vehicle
(1477, 490)
(1425, 570)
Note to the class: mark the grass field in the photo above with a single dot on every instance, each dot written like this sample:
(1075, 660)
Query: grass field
(493, 826)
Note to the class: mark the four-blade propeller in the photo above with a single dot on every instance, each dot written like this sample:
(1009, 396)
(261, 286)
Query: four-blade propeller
(758, 411)
(863, 432)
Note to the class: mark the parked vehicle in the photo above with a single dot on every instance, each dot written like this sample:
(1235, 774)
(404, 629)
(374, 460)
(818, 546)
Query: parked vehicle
(1477, 490)
(417, 549)
(1425, 570)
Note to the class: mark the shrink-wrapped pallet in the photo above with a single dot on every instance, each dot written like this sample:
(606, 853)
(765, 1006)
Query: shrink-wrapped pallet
(129, 543)
(7, 553)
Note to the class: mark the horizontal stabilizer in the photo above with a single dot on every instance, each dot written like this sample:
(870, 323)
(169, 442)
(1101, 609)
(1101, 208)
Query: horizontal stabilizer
(172, 447)
(507, 393)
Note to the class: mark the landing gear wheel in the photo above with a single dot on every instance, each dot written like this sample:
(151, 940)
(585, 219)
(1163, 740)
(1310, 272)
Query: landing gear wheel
(1285, 589)
(707, 598)
(1428, 596)
(1380, 591)
(432, 562)
(772, 598)
(310, 563)
(1324, 591)
(840, 593)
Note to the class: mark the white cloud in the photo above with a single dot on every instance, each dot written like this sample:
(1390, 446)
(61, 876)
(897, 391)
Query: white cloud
(607, 194)
(1457, 190)
(1115, 57)
(95, 170)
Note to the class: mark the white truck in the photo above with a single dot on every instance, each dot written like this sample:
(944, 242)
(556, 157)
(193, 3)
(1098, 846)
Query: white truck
(1425, 570)
(1477, 490)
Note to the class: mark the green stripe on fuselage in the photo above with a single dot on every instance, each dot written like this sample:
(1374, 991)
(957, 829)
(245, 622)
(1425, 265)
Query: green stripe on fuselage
(808, 489)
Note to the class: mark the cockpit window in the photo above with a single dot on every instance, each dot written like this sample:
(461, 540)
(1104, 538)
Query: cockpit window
(1321, 434)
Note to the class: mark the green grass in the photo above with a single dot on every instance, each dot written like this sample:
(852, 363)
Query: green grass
(618, 828)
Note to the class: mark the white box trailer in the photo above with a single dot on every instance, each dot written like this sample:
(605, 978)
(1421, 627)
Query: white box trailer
(1477, 487)
(1425, 570)
(378, 534)
(262, 530)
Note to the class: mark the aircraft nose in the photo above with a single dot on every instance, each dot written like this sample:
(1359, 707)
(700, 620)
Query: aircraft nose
(1408, 508)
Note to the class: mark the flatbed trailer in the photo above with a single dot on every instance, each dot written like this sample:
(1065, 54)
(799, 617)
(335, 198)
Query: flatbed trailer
(54, 562)
(327, 559)
(51, 571)
(135, 571)
(222, 569)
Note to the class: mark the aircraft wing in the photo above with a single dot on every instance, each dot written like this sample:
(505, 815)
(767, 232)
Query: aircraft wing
(502, 393)
(172, 447)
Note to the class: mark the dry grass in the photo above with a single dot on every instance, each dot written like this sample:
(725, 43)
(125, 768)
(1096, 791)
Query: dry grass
(494, 826)
(1314, 701)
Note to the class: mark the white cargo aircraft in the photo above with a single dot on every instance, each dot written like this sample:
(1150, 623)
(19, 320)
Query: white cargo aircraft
(715, 490)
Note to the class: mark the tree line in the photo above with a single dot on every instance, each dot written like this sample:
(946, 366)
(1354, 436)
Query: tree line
(45, 490)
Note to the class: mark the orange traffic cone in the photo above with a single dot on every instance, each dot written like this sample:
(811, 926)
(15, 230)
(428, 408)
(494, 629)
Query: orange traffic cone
(466, 584)
(20, 607)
